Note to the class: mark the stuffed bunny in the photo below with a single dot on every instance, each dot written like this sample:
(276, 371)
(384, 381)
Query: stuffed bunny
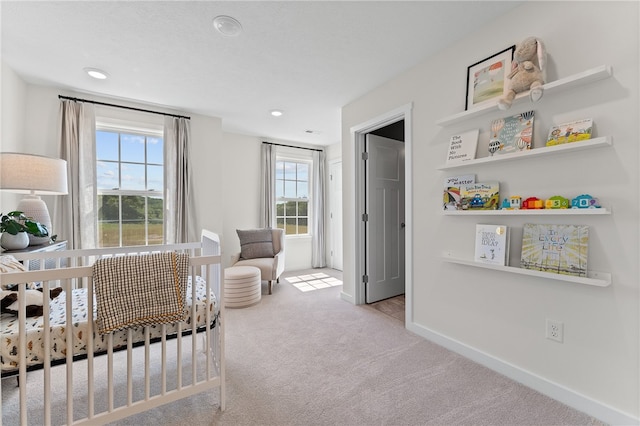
(527, 73)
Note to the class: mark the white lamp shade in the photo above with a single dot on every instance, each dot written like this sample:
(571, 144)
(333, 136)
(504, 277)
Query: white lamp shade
(33, 174)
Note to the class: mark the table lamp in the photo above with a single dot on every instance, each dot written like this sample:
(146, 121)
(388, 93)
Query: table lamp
(34, 175)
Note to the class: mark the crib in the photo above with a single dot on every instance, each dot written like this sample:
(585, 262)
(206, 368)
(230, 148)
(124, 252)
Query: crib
(68, 373)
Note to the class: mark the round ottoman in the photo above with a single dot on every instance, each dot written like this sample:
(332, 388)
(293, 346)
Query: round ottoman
(242, 286)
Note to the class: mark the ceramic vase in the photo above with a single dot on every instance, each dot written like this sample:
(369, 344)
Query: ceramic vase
(14, 242)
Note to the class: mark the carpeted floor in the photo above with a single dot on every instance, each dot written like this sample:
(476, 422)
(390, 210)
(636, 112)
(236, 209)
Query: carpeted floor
(310, 358)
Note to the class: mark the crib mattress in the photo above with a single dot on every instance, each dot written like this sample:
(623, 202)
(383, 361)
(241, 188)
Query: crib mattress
(9, 326)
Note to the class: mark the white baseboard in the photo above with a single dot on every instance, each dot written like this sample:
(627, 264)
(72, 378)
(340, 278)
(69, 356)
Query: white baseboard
(347, 297)
(553, 390)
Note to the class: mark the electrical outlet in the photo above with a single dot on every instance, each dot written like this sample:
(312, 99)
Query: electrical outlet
(555, 330)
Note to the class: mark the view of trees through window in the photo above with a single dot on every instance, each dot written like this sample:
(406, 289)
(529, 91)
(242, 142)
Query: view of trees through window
(292, 197)
(130, 182)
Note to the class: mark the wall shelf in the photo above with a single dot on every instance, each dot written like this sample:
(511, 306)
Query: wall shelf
(536, 152)
(589, 76)
(595, 278)
(528, 212)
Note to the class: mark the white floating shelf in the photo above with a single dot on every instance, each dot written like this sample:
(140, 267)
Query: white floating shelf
(594, 74)
(536, 152)
(595, 278)
(527, 212)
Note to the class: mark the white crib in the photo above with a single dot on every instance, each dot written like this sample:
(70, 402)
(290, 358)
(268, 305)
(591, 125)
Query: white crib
(81, 382)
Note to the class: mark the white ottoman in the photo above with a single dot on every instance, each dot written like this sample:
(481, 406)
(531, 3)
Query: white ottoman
(242, 286)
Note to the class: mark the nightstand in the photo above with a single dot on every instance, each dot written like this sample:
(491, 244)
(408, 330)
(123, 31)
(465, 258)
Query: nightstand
(42, 248)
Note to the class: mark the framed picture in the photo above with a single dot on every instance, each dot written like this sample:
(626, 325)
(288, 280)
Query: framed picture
(487, 79)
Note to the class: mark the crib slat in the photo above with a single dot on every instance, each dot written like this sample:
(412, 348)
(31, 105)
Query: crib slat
(179, 360)
(194, 341)
(129, 367)
(22, 348)
(47, 353)
(147, 362)
(69, 364)
(90, 345)
(110, 370)
(164, 360)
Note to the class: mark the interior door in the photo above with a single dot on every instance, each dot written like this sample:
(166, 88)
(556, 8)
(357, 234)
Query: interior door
(335, 214)
(384, 227)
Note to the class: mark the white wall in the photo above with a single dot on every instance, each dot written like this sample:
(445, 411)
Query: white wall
(12, 111)
(499, 318)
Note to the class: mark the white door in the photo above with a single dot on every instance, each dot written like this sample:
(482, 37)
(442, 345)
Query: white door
(335, 214)
(384, 228)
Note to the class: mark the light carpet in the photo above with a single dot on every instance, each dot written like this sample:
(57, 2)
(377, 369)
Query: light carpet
(310, 358)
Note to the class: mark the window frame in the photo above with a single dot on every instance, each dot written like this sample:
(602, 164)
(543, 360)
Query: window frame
(146, 130)
(295, 157)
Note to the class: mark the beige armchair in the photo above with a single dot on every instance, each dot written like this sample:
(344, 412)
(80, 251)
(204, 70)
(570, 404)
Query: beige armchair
(264, 249)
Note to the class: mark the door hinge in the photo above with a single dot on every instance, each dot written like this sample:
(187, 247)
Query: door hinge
(365, 279)
(365, 156)
(365, 217)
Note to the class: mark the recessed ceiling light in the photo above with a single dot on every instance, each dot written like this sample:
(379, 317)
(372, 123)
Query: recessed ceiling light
(96, 73)
(227, 26)
(276, 112)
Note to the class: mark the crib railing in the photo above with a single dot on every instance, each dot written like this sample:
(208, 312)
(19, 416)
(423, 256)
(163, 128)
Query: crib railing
(158, 371)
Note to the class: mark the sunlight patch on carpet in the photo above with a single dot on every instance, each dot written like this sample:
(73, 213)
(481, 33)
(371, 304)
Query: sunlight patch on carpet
(310, 282)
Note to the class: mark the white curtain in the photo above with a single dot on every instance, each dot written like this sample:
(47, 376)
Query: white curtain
(75, 213)
(268, 188)
(318, 255)
(179, 217)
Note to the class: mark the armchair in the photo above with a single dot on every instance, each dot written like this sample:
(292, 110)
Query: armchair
(264, 249)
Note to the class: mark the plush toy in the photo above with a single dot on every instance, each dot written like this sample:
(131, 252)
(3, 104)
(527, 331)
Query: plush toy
(528, 67)
(34, 298)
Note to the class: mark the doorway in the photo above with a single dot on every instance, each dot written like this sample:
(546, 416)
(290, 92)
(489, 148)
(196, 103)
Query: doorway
(398, 118)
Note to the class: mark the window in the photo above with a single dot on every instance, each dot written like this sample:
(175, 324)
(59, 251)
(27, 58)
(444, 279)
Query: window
(130, 187)
(292, 196)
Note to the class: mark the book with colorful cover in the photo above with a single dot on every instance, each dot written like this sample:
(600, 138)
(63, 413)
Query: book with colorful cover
(462, 147)
(570, 132)
(451, 196)
(511, 134)
(492, 244)
(560, 249)
(480, 196)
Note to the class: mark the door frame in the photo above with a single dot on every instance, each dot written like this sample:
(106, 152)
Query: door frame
(358, 133)
(332, 242)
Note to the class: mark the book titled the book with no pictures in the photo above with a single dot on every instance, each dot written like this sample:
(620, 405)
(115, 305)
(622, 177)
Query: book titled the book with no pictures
(462, 147)
(492, 244)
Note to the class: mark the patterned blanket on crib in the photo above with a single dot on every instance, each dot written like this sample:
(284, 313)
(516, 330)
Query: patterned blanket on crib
(140, 290)
(9, 327)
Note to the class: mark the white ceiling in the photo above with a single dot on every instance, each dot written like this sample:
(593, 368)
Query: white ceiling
(308, 58)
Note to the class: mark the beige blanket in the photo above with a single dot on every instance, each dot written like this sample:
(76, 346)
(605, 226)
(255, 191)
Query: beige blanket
(140, 290)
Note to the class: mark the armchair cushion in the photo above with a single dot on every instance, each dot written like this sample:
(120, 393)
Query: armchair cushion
(255, 243)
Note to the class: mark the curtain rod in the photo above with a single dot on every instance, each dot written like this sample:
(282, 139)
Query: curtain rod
(292, 146)
(122, 106)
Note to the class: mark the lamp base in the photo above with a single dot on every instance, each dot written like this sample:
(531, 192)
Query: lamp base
(32, 206)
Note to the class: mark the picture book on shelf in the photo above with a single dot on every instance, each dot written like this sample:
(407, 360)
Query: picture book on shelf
(451, 196)
(511, 134)
(570, 132)
(480, 196)
(560, 249)
(492, 244)
(462, 147)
